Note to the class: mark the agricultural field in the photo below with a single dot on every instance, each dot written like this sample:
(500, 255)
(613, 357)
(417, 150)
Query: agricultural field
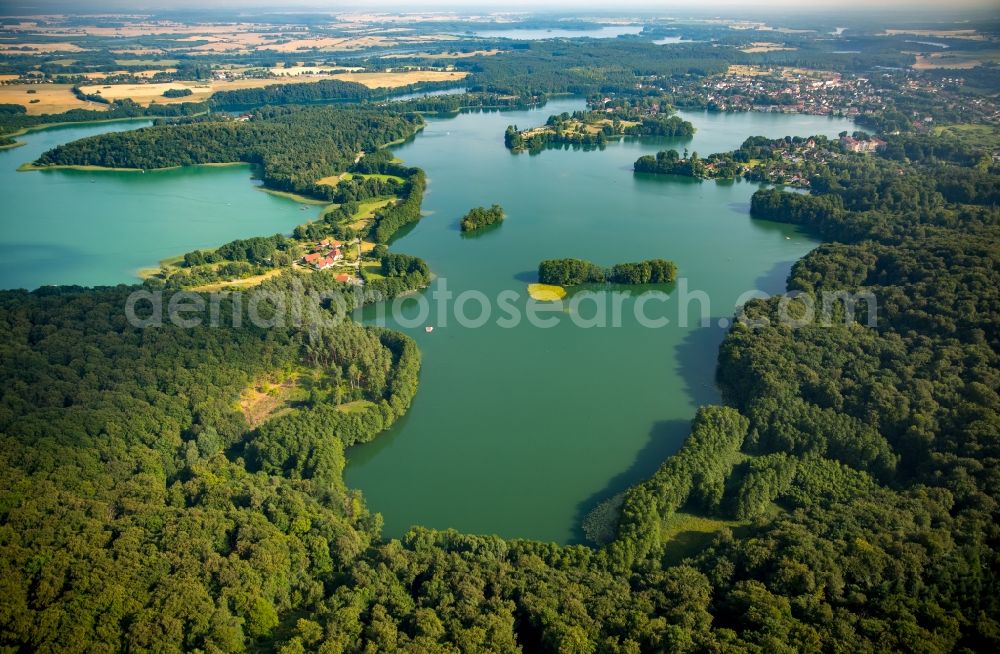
(52, 98)
(954, 60)
(56, 98)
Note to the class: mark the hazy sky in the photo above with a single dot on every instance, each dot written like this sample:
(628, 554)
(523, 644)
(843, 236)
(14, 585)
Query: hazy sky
(582, 6)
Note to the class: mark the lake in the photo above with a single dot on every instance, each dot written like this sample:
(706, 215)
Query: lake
(516, 430)
(76, 227)
(520, 431)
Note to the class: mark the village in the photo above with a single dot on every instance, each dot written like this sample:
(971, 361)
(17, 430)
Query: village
(328, 254)
(791, 160)
(785, 90)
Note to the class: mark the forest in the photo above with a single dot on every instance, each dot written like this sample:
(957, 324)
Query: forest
(536, 68)
(329, 90)
(852, 466)
(140, 508)
(481, 217)
(572, 272)
(295, 147)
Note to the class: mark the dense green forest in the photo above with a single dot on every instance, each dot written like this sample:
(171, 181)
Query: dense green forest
(586, 67)
(571, 272)
(330, 90)
(295, 147)
(480, 217)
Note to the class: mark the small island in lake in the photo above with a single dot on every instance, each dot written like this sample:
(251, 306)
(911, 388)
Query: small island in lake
(606, 119)
(480, 217)
(670, 162)
(570, 272)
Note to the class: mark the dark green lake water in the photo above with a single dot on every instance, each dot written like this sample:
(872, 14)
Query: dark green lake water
(519, 431)
(515, 430)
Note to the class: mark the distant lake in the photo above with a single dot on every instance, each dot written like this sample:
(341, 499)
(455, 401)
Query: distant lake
(673, 40)
(428, 94)
(604, 32)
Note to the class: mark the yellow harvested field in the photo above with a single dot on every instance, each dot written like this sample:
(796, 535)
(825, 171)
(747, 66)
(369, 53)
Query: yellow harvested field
(970, 34)
(295, 71)
(202, 90)
(146, 93)
(546, 292)
(325, 43)
(52, 98)
(765, 46)
(392, 80)
(940, 60)
(238, 41)
(41, 47)
(140, 73)
(137, 51)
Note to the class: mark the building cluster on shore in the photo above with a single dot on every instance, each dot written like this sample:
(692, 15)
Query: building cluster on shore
(789, 92)
(324, 255)
(327, 254)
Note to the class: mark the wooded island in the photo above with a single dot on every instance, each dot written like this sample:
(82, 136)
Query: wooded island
(480, 217)
(571, 272)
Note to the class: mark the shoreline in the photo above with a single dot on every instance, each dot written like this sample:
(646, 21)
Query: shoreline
(27, 167)
(64, 123)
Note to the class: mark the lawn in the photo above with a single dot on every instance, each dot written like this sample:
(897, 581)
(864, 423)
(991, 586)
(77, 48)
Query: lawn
(245, 282)
(357, 406)
(367, 209)
(372, 269)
